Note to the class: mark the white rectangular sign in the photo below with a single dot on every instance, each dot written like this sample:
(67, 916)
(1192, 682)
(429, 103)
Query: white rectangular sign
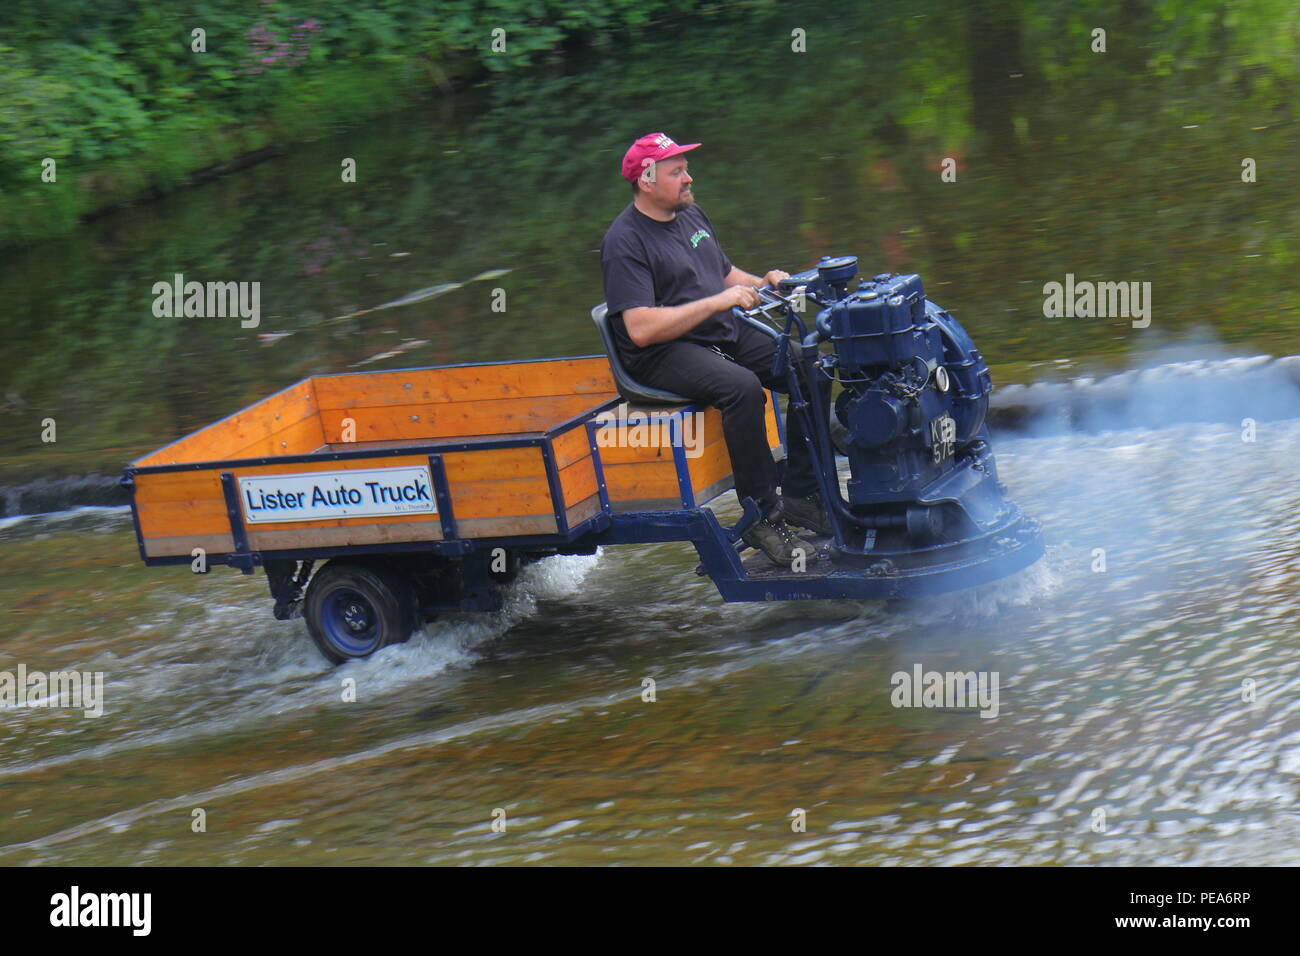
(363, 493)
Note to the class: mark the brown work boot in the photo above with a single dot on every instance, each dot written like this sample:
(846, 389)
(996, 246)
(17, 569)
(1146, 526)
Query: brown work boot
(807, 513)
(775, 539)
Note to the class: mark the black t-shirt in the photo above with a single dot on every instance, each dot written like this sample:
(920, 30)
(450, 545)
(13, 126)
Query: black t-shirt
(651, 263)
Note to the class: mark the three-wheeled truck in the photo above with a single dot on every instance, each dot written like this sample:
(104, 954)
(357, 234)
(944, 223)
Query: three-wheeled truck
(423, 490)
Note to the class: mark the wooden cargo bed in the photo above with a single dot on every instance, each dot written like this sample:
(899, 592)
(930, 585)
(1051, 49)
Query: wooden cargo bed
(492, 451)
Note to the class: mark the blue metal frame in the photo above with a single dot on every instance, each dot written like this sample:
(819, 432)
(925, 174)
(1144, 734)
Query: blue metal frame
(816, 429)
(558, 507)
(242, 557)
(780, 419)
(442, 492)
(1015, 544)
(677, 442)
(406, 450)
(1020, 545)
(599, 467)
(127, 482)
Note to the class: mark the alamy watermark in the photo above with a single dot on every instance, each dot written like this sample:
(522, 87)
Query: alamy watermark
(129, 910)
(627, 428)
(208, 300)
(79, 690)
(961, 689)
(1100, 300)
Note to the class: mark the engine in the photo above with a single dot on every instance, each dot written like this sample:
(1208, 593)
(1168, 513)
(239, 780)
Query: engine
(915, 393)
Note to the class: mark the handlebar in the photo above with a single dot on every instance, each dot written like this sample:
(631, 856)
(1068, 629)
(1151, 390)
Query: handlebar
(764, 309)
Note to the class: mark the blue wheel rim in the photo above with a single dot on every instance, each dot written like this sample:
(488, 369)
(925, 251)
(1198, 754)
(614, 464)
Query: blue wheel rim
(350, 622)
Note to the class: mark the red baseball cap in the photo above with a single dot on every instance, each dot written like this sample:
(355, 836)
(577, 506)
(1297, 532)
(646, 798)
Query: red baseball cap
(652, 147)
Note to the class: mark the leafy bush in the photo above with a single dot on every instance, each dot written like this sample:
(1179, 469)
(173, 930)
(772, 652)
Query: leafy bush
(113, 92)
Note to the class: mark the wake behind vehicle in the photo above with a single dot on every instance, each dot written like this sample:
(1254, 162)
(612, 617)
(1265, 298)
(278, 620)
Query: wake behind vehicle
(424, 490)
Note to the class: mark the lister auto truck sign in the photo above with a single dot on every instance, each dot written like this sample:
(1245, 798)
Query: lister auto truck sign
(337, 494)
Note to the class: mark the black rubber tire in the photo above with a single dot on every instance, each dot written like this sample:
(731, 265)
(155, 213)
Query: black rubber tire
(347, 591)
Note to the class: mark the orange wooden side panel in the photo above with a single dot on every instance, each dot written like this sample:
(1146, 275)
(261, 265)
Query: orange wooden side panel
(450, 420)
(497, 491)
(643, 486)
(419, 405)
(576, 467)
(571, 445)
(637, 458)
(186, 503)
(471, 383)
(288, 416)
(494, 491)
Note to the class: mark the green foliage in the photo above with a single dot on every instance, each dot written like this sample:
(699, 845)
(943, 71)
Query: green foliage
(113, 91)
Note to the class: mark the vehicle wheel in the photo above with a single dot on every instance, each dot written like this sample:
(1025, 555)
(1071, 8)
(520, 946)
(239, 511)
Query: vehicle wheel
(353, 610)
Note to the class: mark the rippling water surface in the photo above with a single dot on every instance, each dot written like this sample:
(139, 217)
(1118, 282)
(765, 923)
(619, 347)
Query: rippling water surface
(1126, 732)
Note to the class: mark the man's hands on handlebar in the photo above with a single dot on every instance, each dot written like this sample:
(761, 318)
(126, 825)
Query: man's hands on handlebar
(774, 278)
(651, 325)
(746, 297)
(738, 297)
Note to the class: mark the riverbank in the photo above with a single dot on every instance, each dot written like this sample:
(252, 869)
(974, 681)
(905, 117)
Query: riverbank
(139, 105)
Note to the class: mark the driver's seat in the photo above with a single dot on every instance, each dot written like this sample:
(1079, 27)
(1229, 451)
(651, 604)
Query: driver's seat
(629, 387)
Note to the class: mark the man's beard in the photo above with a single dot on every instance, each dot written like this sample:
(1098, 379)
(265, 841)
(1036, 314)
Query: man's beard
(685, 203)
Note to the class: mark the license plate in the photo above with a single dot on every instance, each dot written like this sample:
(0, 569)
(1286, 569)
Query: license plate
(943, 437)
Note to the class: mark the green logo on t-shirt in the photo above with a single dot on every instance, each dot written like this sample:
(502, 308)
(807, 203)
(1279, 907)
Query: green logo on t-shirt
(696, 239)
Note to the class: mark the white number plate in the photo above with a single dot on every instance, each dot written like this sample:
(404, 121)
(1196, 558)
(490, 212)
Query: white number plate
(943, 437)
(368, 492)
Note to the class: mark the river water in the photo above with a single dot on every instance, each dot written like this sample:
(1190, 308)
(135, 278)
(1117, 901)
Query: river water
(1147, 667)
(1160, 691)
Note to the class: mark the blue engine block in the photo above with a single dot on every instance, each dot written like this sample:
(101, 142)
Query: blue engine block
(916, 389)
(913, 402)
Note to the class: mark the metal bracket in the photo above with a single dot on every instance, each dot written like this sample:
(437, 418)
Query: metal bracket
(750, 516)
(241, 559)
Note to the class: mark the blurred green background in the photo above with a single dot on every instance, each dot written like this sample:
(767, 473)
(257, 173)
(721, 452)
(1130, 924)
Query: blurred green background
(1123, 165)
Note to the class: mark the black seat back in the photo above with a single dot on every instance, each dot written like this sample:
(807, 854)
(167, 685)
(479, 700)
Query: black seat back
(633, 390)
(629, 387)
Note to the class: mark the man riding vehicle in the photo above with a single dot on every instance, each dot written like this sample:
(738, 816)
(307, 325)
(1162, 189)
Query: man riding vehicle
(669, 291)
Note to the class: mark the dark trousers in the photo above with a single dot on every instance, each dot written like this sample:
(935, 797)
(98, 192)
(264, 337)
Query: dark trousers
(737, 384)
